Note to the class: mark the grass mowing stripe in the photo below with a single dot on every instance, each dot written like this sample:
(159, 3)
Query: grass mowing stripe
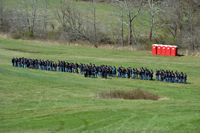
(43, 101)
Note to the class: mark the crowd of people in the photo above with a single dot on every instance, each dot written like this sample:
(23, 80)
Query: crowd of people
(102, 71)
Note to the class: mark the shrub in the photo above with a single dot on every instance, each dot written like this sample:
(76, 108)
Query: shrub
(52, 35)
(27, 34)
(16, 36)
(132, 94)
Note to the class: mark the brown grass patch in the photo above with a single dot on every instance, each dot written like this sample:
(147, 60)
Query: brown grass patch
(23, 50)
(132, 94)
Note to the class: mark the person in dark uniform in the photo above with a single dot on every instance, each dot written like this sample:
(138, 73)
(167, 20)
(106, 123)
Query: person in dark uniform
(105, 73)
(151, 74)
(19, 62)
(143, 72)
(136, 73)
(156, 74)
(110, 71)
(133, 73)
(164, 76)
(75, 68)
(169, 76)
(123, 73)
(130, 72)
(160, 75)
(58, 66)
(100, 72)
(16, 62)
(13, 61)
(25, 63)
(140, 74)
(89, 71)
(178, 76)
(96, 71)
(92, 72)
(166, 79)
(146, 73)
(22, 62)
(85, 71)
(31, 64)
(61, 66)
(181, 77)
(114, 71)
(28, 63)
(51, 64)
(55, 66)
(64, 66)
(127, 73)
(185, 78)
(70, 67)
(35, 64)
(119, 72)
(173, 77)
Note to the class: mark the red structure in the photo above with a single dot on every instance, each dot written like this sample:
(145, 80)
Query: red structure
(154, 49)
(168, 50)
(159, 50)
(174, 50)
(163, 49)
(168, 53)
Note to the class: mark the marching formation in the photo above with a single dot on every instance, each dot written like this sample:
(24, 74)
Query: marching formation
(101, 71)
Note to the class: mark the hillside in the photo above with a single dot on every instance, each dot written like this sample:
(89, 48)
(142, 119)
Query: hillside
(129, 23)
(44, 101)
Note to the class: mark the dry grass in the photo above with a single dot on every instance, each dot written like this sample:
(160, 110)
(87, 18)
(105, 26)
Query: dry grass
(164, 98)
(132, 94)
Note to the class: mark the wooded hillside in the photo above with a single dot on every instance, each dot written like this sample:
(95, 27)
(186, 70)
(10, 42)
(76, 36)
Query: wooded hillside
(138, 23)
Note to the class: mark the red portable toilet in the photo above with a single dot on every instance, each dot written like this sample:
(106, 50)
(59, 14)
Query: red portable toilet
(168, 51)
(164, 49)
(159, 49)
(174, 50)
(154, 49)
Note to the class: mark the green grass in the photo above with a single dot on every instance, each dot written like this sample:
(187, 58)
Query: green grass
(42, 101)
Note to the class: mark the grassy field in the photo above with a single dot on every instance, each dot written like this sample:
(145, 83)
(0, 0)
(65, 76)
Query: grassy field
(43, 101)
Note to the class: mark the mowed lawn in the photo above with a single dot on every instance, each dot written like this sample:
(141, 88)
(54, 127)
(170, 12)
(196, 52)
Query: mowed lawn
(43, 101)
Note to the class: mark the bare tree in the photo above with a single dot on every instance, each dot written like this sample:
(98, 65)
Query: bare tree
(133, 8)
(46, 14)
(71, 20)
(190, 11)
(31, 10)
(1, 13)
(153, 9)
(171, 17)
(94, 20)
(119, 7)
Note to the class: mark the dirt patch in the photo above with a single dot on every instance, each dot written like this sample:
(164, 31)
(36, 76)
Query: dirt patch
(23, 50)
(132, 94)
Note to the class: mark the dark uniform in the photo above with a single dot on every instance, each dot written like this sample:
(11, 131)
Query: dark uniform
(13, 61)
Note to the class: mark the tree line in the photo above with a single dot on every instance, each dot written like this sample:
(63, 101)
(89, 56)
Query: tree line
(175, 22)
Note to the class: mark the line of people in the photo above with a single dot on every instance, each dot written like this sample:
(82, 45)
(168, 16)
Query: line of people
(101, 71)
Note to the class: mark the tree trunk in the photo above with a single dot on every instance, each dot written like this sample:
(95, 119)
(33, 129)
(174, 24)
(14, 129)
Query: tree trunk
(151, 30)
(122, 27)
(95, 34)
(130, 33)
